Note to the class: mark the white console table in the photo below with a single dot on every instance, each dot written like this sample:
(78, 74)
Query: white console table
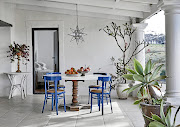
(20, 85)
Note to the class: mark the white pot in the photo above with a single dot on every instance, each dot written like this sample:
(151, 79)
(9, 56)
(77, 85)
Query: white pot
(120, 88)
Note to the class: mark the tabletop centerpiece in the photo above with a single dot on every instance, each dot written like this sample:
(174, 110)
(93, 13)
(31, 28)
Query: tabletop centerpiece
(83, 71)
(18, 52)
(72, 72)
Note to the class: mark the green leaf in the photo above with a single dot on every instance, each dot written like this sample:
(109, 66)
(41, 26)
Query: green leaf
(128, 76)
(155, 83)
(162, 112)
(138, 78)
(160, 77)
(157, 118)
(131, 71)
(148, 118)
(148, 67)
(156, 124)
(126, 89)
(138, 67)
(168, 117)
(137, 101)
(133, 88)
(142, 93)
(154, 74)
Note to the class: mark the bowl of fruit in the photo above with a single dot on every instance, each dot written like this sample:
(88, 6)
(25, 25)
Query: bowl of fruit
(72, 72)
(83, 71)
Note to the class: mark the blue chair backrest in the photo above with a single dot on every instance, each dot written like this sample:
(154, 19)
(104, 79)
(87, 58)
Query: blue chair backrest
(104, 81)
(50, 78)
(53, 73)
(98, 73)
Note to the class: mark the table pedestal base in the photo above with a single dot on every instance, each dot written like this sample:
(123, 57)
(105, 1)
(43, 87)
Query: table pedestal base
(76, 108)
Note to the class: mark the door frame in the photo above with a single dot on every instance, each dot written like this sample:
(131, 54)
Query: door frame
(43, 24)
(33, 47)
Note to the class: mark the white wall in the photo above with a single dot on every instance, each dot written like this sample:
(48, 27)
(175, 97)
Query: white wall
(4, 61)
(6, 37)
(95, 52)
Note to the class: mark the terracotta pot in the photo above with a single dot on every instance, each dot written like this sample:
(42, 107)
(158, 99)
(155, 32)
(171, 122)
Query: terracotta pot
(147, 109)
(120, 88)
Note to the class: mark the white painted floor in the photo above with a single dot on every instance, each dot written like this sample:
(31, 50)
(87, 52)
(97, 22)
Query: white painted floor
(27, 113)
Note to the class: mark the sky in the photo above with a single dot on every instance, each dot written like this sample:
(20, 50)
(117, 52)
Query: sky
(156, 23)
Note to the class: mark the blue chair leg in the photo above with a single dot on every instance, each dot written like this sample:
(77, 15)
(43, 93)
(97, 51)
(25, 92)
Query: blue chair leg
(52, 101)
(110, 103)
(89, 96)
(102, 105)
(91, 103)
(56, 106)
(44, 103)
(99, 101)
(107, 99)
(64, 103)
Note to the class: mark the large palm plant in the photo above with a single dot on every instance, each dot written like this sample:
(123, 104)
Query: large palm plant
(147, 79)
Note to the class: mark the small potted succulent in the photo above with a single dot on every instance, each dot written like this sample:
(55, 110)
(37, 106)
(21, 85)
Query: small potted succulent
(148, 79)
(123, 38)
(18, 52)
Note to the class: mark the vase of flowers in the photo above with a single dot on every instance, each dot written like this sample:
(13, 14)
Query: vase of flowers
(17, 51)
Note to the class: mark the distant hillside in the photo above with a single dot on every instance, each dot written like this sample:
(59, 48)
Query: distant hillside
(155, 39)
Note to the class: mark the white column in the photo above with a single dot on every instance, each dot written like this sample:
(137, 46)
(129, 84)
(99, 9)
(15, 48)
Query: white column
(172, 25)
(139, 37)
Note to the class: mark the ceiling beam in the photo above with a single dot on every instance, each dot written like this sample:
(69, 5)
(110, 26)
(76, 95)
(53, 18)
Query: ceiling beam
(124, 5)
(154, 9)
(143, 1)
(70, 12)
(82, 8)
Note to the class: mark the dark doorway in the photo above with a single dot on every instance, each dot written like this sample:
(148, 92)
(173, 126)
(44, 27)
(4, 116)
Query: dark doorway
(45, 43)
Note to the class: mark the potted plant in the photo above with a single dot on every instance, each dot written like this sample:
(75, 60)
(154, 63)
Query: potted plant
(123, 38)
(148, 79)
(118, 81)
(164, 120)
(17, 51)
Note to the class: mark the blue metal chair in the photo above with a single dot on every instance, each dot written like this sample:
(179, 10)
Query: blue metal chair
(52, 85)
(97, 86)
(53, 94)
(102, 93)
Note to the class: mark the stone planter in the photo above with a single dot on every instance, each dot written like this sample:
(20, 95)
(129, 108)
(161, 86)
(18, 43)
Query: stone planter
(147, 109)
(120, 88)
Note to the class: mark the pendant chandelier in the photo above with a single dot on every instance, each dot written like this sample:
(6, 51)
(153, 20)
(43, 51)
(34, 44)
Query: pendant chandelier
(77, 34)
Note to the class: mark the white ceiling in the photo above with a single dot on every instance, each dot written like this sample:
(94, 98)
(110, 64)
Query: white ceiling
(111, 9)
